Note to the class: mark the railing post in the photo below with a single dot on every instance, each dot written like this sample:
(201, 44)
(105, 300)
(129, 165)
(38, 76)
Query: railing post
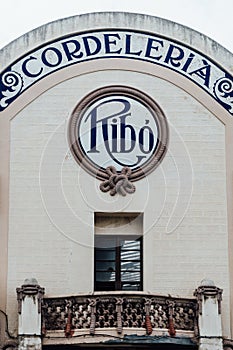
(29, 297)
(209, 316)
(92, 304)
(119, 309)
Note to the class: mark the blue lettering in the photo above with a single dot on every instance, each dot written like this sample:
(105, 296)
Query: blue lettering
(25, 68)
(91, 40)
(188, 62)
(125, 132)
(114, 135)
(108, 43)
(44, 57)
(72, 54)
(177, 57)
(203, 73)
(150, 143)
(132, 137)
(150, 47)
(128, 46)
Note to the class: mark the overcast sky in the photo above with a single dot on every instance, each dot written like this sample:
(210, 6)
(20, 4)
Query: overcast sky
(211, 17)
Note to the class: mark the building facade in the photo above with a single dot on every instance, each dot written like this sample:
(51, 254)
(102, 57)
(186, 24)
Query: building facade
(116, 194)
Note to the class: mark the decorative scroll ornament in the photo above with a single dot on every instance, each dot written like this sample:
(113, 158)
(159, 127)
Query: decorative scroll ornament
(14, 83)
(118, 183)
(223, 90)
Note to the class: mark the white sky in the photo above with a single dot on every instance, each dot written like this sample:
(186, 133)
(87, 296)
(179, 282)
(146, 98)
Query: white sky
(210, 17)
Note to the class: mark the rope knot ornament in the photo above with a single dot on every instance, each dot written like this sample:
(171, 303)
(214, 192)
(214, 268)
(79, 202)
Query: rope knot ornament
(118, 183)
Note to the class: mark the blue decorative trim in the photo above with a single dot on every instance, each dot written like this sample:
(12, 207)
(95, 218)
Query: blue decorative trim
(116, 43)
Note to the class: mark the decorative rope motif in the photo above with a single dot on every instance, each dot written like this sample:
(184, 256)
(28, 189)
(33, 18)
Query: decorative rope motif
(118, 183)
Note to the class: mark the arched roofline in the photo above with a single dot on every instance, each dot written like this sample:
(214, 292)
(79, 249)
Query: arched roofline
(163, 43)
(99, 20)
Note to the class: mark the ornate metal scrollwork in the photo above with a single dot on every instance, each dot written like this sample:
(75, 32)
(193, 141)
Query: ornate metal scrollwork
(223, 90)
(12, 84)
(109, 311)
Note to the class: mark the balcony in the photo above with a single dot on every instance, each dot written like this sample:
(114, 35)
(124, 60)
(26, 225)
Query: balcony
(112, 317)
(119, 320)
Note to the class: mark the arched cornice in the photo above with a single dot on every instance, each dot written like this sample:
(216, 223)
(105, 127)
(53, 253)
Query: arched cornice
(97, 36)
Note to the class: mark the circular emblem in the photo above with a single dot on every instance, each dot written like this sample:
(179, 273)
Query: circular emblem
(118, 126)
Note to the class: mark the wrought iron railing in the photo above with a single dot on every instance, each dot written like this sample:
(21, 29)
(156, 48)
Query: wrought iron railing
(118, 311)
